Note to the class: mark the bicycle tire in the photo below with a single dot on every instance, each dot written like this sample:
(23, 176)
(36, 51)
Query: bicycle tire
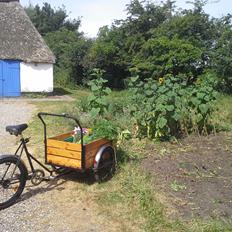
(107, 165)
(20, 174)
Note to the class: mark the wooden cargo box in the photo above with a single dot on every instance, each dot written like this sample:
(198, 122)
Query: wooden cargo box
(70, 155)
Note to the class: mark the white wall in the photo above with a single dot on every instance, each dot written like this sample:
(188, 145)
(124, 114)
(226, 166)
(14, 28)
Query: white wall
(36, 77)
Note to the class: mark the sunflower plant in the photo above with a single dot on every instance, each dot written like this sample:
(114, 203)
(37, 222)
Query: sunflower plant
(169, 107)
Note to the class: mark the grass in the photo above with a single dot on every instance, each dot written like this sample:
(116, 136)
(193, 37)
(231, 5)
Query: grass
(129, 200)
(222, 118)
(131, 194)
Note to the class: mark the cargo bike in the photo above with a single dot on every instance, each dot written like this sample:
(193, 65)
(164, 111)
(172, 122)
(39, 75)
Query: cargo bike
(97, 157)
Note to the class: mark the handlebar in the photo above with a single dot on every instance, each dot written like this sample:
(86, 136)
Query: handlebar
(41, 114)
(64, 115)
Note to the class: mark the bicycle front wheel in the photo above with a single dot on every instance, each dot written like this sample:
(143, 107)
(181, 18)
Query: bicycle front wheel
(13, 177)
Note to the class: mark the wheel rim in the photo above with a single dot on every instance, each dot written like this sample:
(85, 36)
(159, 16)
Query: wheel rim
(10, 181)
(106, 165)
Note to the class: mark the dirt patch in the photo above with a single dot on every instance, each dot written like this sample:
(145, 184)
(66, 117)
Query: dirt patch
(194, 177)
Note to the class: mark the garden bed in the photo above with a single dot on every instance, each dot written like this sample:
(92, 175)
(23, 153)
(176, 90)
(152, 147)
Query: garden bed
(194, 178)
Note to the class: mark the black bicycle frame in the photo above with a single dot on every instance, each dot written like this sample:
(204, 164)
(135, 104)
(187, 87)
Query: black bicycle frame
(23, 147)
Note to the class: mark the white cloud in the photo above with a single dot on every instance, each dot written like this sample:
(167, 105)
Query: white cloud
(97, 13)
(100, 13)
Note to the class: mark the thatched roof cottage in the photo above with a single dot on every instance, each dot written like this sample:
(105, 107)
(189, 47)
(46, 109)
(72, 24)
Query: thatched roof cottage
(26, 62)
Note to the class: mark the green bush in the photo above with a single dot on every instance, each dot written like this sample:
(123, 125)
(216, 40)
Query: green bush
(162, 56)
(170, 107)
(223, 61)
(97, 102)
(63, 79)
(105, 129)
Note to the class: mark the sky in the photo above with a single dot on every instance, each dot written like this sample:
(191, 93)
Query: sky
(98, 13)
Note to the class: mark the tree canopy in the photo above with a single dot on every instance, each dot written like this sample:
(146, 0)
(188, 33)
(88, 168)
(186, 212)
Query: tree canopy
(47, 19)
(154, 40)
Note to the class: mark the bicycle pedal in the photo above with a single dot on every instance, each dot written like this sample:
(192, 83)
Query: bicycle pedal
(48, 178)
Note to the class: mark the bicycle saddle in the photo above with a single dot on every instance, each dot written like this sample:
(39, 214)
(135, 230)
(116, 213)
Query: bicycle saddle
(17, 129)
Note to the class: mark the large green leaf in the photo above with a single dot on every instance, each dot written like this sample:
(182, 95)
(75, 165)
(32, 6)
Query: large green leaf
(203, 108)
(170, 108)
(107, 91)
(176, 116)
(134, 79)
(95, 87)
(148, 92)
(195, 102)
(91, 98)
(101, 101)
(95, 112)
(201, 95)
(162, 122)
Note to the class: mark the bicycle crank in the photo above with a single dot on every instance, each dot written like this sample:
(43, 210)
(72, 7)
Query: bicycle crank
(37, 177)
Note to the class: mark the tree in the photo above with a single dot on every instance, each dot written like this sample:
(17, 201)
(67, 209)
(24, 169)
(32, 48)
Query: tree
(108, 53)
(223, 61)
(69, 49)
(47, 19)
(162, 56)
(143, 16)
(154, 40)
(62, 36)
(116, 46)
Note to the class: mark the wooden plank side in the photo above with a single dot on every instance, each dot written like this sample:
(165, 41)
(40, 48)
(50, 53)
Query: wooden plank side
(64, 145)
(62, 161)
(89, 162)
(92, 149)
(96, 144)
(64, 153)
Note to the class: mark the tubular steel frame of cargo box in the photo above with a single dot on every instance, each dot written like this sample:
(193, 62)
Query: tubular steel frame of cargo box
(83, 153)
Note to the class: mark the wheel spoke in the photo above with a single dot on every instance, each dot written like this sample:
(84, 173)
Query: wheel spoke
(14, 182)
(10, 181)
(4, 173)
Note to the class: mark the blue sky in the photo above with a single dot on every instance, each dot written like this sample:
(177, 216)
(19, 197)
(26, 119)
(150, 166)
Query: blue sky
(97, 13)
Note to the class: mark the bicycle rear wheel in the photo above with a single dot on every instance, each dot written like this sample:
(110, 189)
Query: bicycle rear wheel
(13, 177)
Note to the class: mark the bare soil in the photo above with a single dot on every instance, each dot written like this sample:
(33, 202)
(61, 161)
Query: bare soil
(193, 177)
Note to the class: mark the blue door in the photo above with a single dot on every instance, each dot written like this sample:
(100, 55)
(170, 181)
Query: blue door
(9, 78)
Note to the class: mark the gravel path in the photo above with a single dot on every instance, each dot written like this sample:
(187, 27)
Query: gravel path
(12, 113)
(52, 206)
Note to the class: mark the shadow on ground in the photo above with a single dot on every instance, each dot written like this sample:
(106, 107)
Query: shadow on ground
(58, 91)
(57, 184)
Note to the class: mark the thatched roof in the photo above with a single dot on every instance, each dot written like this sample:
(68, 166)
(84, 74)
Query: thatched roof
(19, 39)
